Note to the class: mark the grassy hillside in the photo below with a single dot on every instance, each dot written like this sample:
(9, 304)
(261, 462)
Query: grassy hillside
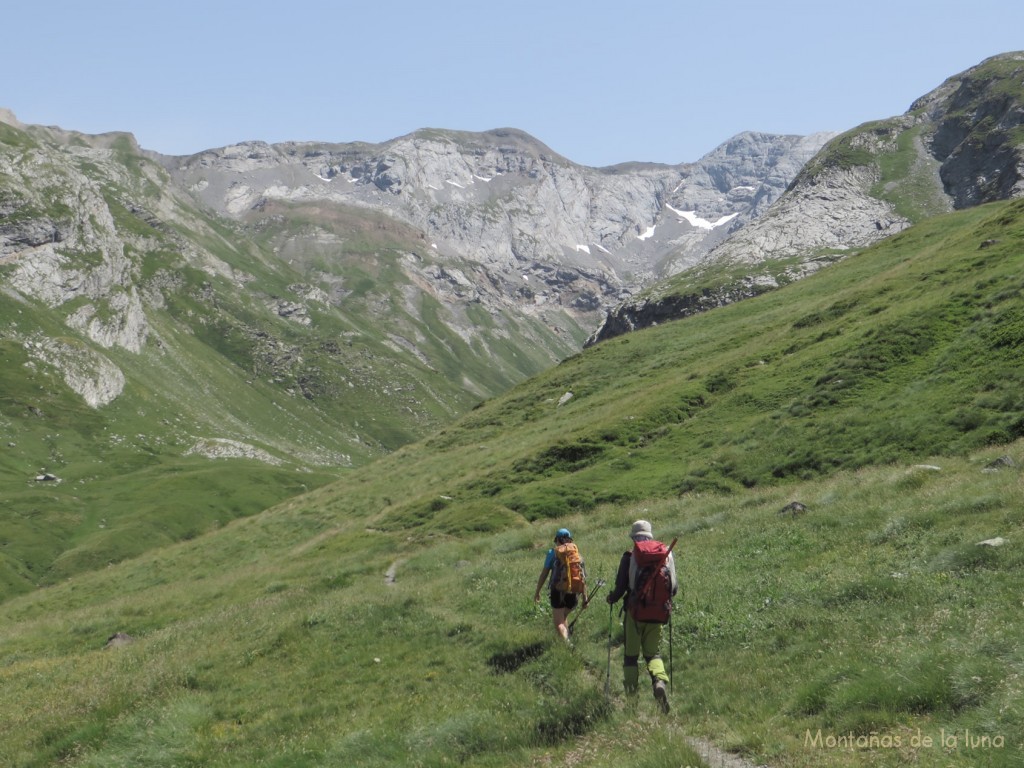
(879, 393)
(278, 642)
(909, 349)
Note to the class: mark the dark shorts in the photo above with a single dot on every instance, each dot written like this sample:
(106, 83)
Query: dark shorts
(563, 599)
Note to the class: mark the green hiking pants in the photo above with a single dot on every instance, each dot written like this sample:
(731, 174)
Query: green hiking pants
(641, 637)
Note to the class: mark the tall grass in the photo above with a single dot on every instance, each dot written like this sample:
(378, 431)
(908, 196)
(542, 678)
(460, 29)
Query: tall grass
(278, 641)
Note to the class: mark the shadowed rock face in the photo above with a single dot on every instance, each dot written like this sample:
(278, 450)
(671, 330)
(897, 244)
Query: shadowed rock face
(976, 118)
(631, 316)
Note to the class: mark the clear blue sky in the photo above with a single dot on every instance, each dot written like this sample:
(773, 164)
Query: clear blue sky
(599, 82)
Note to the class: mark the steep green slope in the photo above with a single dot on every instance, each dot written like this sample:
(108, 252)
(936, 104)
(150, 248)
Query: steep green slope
(908, 349)
(877, 393)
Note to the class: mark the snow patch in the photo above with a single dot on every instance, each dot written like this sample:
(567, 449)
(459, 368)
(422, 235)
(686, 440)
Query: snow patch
(584, 248)
(697, 221)
(649, 233)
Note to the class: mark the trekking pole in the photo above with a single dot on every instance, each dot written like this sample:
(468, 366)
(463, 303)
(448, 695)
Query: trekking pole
(671, 664)
(594, 591)
(608, 676)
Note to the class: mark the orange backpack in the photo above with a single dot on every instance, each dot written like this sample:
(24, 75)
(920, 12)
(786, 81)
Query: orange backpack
(569, 574)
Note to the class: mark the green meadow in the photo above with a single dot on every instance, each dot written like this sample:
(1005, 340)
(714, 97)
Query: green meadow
(279, 641)
(386, 618)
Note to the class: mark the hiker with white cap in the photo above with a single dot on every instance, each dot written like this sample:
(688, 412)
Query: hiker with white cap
(568, 580)
(647, 577)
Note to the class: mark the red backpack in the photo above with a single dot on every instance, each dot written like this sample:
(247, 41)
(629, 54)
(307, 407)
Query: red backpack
(650, 599)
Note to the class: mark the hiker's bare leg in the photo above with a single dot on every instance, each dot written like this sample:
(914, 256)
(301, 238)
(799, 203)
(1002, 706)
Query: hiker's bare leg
(559, 616)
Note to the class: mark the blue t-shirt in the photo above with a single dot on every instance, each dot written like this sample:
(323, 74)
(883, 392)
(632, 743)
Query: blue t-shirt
(549, 561)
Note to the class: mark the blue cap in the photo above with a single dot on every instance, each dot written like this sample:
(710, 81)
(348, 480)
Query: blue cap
(563, 533)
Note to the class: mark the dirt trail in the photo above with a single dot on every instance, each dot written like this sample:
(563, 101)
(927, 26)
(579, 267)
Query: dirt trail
(631, 744)
(600, 742)
(713, 757)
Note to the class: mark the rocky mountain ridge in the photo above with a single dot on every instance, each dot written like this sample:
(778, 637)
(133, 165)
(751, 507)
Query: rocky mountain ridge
(960, 145)
(543, 229)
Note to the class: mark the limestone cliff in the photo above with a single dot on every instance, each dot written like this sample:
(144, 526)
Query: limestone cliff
(542, 229)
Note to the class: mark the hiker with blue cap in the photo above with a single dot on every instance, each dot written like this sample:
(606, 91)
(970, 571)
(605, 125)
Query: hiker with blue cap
(568, 580)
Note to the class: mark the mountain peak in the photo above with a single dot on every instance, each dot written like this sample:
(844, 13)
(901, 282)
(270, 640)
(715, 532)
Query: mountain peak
(9, 118)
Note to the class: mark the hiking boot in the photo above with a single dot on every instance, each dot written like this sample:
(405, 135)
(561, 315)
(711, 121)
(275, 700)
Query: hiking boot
(661, 695)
